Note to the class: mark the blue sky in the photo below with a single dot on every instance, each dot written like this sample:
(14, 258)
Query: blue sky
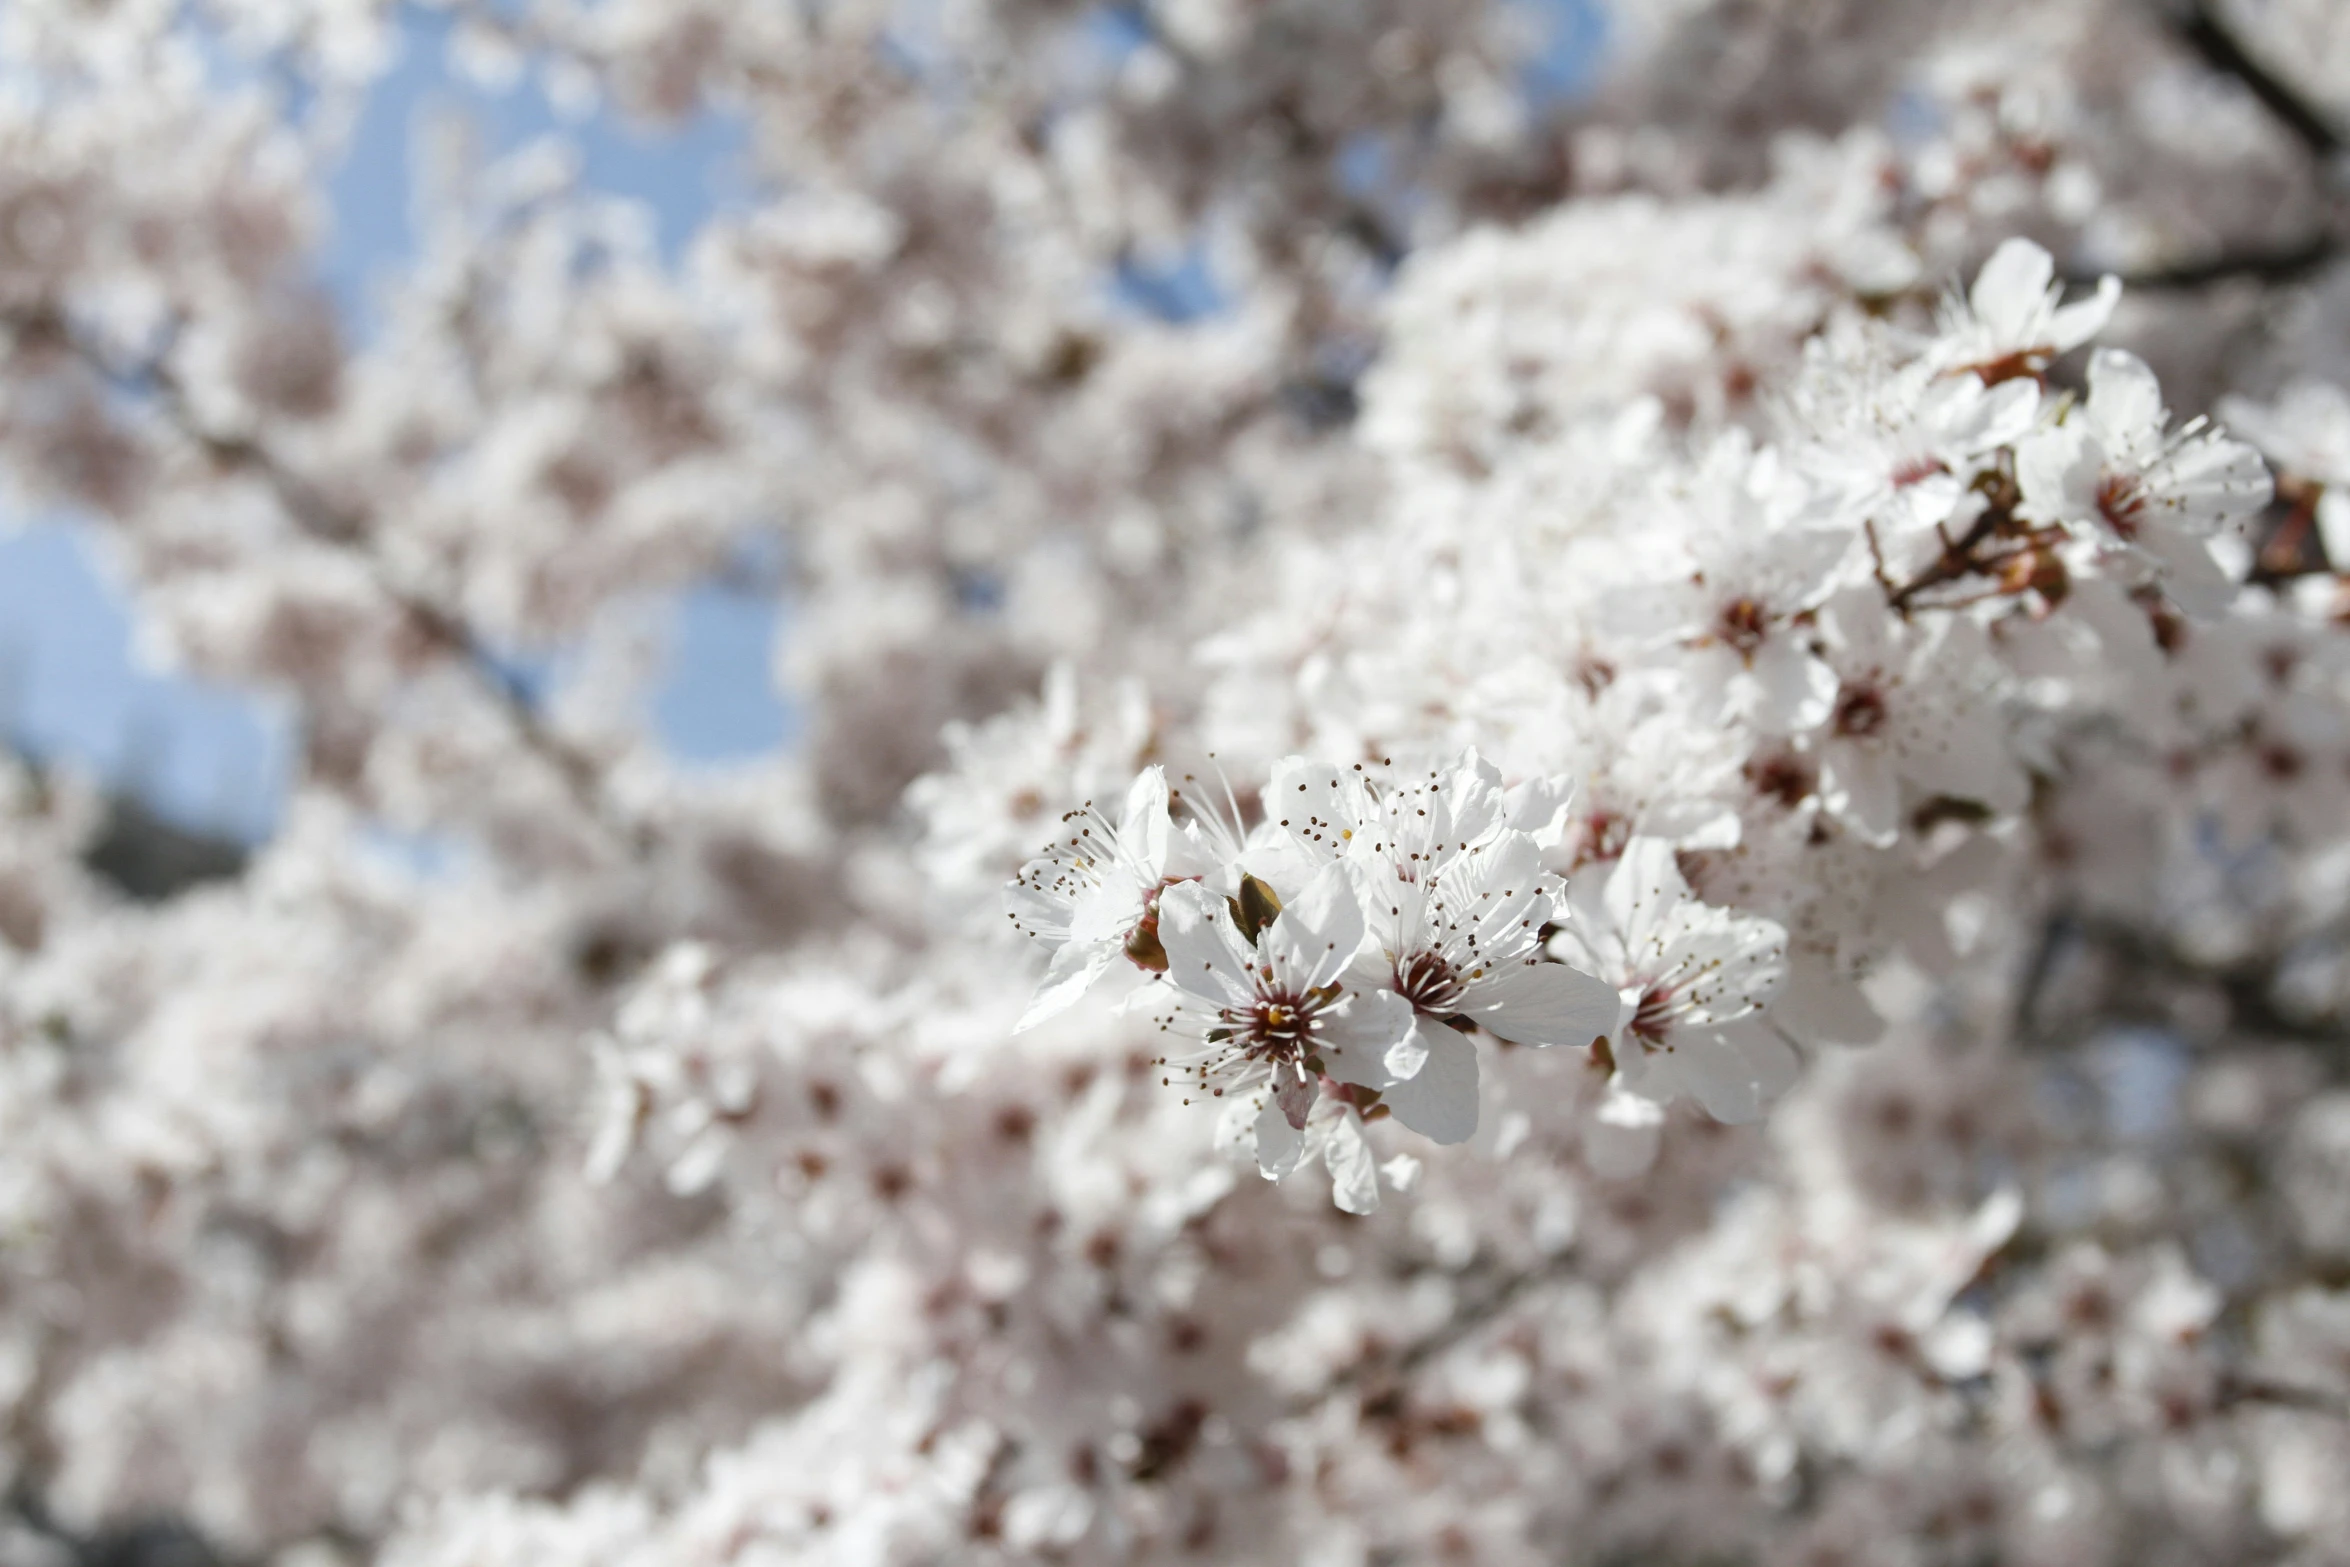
(71, 688)
(72, 684)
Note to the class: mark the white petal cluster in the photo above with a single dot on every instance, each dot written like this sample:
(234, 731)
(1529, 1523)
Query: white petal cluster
(1339, 951)
(1557, 784)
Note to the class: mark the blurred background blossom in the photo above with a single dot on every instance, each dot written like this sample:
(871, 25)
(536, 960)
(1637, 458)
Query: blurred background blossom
(936, 781)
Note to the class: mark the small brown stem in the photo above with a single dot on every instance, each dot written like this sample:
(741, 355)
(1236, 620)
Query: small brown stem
(1957, 560)
(2202, 30)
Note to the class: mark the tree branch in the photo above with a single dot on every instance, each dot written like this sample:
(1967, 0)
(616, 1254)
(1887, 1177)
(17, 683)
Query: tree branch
(318, 517)
(1392, 1367)
(2240, 1389)
(2276, 264)
(2247, 987)
(2200, 27)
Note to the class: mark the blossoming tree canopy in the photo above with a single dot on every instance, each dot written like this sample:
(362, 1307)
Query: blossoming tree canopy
(1567, 784)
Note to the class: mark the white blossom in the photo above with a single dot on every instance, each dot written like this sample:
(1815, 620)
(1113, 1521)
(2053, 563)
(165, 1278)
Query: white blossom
(2013, 321)
(1662, 643)
(1692, 982)
(2154, 498)
(1464, 946)
(1263, 1013)
(1092, 897)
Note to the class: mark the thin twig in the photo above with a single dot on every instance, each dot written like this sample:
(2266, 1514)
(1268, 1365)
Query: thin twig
(2058, 931)
(2248, 988)
(1498, 1297)
(1956, 561)
(321, 519)
(2201, 28)
(2240, 1389)
(2275, 265)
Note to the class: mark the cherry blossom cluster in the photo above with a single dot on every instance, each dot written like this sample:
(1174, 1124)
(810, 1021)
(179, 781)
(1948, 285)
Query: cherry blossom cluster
(1413, 913)
(1567, 784)
(1416, 914)
(1814, 674)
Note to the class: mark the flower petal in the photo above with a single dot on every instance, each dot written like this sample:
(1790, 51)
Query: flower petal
(1105, 912)
(1144, 827)
(1317, 935)
(1536, 805)
(2057, 472)
(1357, 1042)
(1501, 891)
(1205, 955)
(1642, 890)
(2190, 575)
(1725, 965)
(1354, 1175)
(1440, 1100)
(2125, 401)
(1278, 1143)
(1036, 905)
(1735, 1072)
(1791, 690)
(1542, 1004)
(1317, 804)
(1860, 788)
(2076, 323)
(1294, 1094)
(1074, 969)
(2012, 287)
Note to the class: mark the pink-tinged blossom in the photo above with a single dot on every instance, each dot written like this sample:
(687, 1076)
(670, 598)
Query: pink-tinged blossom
(1267, 1017)
(1090, 898)
(2150, 497)
(1911, 722)
(2013, 321)
(1692, 980)
(1465, 948)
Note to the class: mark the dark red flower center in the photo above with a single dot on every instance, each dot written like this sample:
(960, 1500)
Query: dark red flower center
(1860, 712)
(2121, 501)
(1743, 625)
(1430, 983)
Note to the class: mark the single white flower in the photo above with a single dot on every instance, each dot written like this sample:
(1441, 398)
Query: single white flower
(1262, 1010)
(1466, 947)
(1899, 443)
(1691, 979)
(1091, 897)
(2014, 321)
(2148, 498)
(1735, 557)
(1906, 711)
